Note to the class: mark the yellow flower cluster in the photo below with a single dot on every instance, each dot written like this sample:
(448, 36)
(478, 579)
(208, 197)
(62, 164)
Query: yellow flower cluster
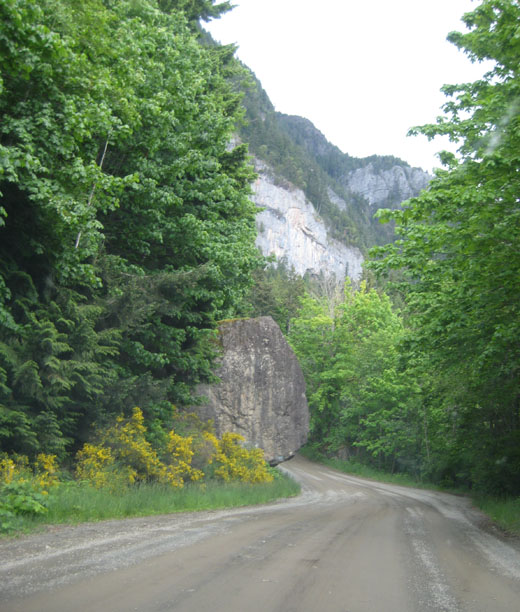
(179, 467)
(95, 465)
(47, 471)
(235, 462)
(124, 456)
(7, 470)
(132, 449)
(42, 475)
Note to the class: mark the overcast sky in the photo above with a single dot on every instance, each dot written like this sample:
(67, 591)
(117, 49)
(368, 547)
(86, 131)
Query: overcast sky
(363, 71)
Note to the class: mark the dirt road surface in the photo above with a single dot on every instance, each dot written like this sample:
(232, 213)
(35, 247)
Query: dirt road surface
(344, 545)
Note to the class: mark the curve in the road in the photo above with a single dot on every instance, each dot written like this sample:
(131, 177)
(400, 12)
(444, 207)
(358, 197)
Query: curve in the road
(344, 545)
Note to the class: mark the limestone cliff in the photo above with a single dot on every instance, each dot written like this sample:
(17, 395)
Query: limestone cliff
(261, 394)
(318, 201)
(387, 187)
(290, 228)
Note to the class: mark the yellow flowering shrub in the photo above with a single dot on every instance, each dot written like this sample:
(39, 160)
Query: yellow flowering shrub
(235, 462)
(212, 445)
(15, 468)
(7, 470)
(131, 448)
(124, 456)
(95, 464)
(47, 471)
(24, 487)
(179, 467)
(43, 474)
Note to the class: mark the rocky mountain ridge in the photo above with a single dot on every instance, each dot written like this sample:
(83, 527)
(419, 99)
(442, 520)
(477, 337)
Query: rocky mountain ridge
(318, 202)
(386, 187)
(290, 228)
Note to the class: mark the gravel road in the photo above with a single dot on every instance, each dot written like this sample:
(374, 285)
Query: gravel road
(345, 545)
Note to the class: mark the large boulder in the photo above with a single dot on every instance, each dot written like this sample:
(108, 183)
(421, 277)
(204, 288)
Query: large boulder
(261, 393)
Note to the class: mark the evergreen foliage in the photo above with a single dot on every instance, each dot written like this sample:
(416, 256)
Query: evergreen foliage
(276, 293)
(126, 230)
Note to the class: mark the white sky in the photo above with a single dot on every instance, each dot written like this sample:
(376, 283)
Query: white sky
(363, 71)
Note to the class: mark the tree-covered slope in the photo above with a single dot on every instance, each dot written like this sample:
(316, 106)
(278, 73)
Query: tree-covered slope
(459, 257)
(432, 388)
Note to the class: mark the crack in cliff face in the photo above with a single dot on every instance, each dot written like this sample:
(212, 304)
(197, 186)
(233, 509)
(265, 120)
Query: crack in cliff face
(309, 233)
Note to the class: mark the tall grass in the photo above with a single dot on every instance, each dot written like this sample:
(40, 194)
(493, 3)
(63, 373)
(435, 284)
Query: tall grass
(75, 503)
(504, 512)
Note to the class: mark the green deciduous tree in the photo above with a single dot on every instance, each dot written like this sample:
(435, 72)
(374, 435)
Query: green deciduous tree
(362, 401)
(459, 256)
(126, 229)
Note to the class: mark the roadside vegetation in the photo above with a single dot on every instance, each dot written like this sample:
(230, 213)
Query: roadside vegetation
(504, 512)
(121, 474)
(71, 502)
(127, 232)
(416, 372)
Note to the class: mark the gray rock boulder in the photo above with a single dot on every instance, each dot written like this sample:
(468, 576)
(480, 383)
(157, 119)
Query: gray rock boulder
(261, 393)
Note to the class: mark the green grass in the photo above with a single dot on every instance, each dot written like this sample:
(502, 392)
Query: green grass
(504, 512)
(73, 503)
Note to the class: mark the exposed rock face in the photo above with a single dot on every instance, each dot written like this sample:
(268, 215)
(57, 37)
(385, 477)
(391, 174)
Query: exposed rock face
(389, 187)
(336, 199)
(262, 391)
(291, 229)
